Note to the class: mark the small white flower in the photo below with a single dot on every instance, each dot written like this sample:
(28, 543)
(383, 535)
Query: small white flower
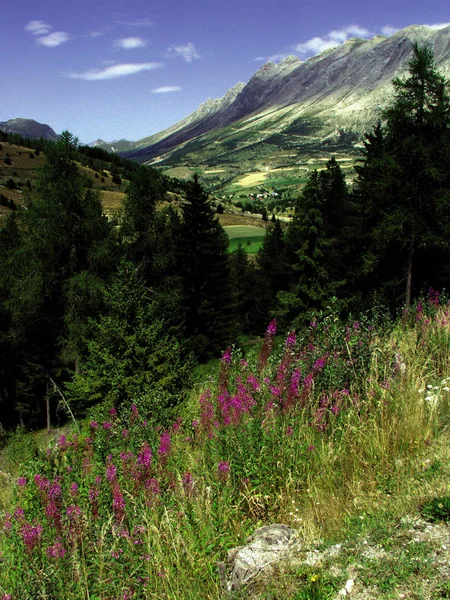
(446, 389)
(421, 391)
(429, 386)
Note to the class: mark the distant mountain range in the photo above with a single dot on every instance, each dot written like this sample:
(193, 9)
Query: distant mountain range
(324, 103)
(29, 128)
(315, 107)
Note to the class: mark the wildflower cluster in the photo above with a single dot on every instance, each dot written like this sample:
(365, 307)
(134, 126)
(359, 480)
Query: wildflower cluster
(102, 510)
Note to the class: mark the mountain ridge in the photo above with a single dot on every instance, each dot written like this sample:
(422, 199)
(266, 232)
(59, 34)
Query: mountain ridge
(29, 128)
(340, 91)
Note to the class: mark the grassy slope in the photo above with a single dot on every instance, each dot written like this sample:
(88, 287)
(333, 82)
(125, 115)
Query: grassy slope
(354, 492)
(25, 168)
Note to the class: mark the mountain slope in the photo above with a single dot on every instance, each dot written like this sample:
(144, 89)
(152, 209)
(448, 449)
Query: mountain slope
(329, 99)
(28, 128)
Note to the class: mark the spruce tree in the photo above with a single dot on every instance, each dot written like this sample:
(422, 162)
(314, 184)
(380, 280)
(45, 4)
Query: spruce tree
(65, 251)
(204, 268)
(308, 249)
(408, 208)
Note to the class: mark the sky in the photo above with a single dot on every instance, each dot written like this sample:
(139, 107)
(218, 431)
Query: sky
(125, 69)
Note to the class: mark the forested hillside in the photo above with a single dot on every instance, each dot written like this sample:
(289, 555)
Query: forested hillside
(105, 310)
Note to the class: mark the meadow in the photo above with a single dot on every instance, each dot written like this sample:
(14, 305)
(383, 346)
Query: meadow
(338, 431)
(250, 237)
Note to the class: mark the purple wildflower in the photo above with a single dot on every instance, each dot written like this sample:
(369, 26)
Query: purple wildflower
(111, 469)
(272, 328)
(118, 504)
(223, 468)
(164, 444)
(226, 356)
(19, 514)
(291, 340)
(106, 425)
(144, 457)
(31, 535)
(57, 550)
(93, 425)
(73, 512)
(22, 482)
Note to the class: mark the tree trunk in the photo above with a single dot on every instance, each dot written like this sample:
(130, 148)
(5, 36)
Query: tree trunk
(409, 279)
(47, 408)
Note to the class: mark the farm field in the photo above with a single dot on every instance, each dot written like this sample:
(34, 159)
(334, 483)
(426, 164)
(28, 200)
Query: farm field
(250, 237)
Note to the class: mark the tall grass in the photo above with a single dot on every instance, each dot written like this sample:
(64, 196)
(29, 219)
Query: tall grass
(299, 432)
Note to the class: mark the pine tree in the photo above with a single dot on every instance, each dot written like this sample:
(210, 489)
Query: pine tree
(204, 268)
(65, 251)
(407, 213)
(308, 248)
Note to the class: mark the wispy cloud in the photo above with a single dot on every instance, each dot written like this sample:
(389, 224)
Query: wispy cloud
(274, 57)
(138, 23)
(130, 43)
(115, 71)
(38, 27)
(389, 30)
(333, 39)
(188, 52)
(53, 39)
(167, 89)
(42, 30)
(438, 25)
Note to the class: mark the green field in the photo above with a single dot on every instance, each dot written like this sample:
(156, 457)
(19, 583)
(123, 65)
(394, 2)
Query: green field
(250, 237)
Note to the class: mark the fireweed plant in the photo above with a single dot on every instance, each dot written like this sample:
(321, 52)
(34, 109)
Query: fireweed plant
(293, 433)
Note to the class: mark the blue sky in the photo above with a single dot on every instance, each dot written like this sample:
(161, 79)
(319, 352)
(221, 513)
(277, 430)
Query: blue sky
(127, 69)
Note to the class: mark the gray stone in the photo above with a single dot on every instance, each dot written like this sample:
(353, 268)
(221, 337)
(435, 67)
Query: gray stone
(266, 547)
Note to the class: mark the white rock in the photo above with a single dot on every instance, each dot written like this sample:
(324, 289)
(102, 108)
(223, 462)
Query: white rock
(349, 586)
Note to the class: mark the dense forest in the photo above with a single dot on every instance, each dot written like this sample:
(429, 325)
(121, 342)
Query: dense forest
(96, 311)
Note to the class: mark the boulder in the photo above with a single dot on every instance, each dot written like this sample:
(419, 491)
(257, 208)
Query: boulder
(265, 548)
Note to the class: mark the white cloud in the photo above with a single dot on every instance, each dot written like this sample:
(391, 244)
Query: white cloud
(315, 45)
(166, 89)
(389, 30)
(130, 43)
(333, 39)
(188, 52)
(115, 71)
(38, 27)
(53, 39)
(438, 25)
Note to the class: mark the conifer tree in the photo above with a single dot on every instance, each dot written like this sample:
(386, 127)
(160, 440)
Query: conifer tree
(65, 251)
(408, 207)
(131, 356)
(308, 247)
(204, 269)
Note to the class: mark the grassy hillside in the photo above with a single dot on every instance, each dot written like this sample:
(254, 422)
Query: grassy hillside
(340, 432)
(19, 167)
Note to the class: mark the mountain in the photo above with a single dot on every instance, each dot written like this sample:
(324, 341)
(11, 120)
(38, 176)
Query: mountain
(322, 104)
(29, 128)
(115, 146)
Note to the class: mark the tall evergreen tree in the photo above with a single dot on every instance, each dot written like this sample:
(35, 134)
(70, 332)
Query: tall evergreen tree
(65, 251)
(408, 207)
(204, 268)
(308, 249)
